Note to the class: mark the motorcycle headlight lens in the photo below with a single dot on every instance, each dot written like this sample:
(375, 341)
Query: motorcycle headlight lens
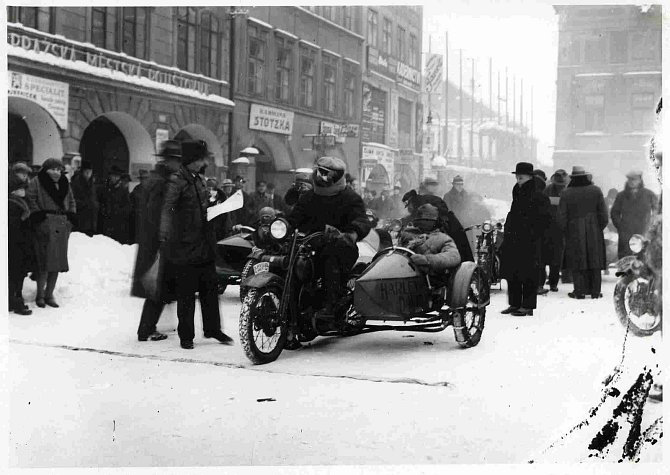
(487, 227)
(279, 229)
(636, 243)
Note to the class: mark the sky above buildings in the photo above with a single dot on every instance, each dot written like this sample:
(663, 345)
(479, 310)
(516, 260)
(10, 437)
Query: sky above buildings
(519, 35)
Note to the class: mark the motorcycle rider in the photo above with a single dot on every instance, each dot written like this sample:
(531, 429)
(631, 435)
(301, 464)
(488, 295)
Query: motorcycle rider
(436, 251)
(339, 212)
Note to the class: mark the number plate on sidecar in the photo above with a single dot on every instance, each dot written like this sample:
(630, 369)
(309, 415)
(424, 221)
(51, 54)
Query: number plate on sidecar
(261, 267)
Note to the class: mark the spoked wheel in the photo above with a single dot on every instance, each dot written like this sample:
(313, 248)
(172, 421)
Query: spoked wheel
(634, 306)
(262, 334)
(469, 320)
(247, 271)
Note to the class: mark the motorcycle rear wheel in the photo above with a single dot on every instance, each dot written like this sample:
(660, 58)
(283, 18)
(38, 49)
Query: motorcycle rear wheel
(469, 321)
(262, 334)
(645, 324)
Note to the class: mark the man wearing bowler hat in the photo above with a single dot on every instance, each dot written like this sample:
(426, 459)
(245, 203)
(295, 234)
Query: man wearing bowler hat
(189, 245)
(525, 225)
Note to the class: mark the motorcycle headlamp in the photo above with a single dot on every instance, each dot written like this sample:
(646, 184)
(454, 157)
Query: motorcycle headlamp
(395, 226)
(279, 229)
(636, 243)
(487, 227)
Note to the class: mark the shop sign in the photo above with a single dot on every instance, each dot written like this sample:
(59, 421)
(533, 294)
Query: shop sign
(339, 130)
(393, 129)
(408, 76)
(99, 59)
(433, 72)
(373, 122)
(406, 155)
(382, 63)
(379, 155)
(53, 96)
(418, 133)
(269, 119)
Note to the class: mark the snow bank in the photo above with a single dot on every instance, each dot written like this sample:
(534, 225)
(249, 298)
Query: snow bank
(99, 267)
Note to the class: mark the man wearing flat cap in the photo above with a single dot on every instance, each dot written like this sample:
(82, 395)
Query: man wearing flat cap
(632, 210)
(189, 244)
(525, 226)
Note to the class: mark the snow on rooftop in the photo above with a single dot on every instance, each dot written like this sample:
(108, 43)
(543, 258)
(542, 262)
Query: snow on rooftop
(83, 67)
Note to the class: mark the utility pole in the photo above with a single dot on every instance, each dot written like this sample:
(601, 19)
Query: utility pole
(514, 114)
(499, 119)
(429, 119)
(460, 107)
(490, 88)
(521, 106)
(445, 135)
(472, 109)
(506, 99)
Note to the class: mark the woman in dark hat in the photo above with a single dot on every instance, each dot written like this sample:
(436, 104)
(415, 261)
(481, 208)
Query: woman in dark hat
(20, 244)
(582, 215)
(53, 211)
(525, 225)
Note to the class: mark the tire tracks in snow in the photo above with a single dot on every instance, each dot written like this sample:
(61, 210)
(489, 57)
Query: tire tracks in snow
(122, 354)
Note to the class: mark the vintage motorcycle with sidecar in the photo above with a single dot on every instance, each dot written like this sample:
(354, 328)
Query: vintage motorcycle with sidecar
(388, 293)
(487, 249)
(232, 255)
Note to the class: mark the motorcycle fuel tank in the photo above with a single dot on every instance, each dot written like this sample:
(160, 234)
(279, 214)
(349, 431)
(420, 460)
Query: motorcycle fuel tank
(391, 289)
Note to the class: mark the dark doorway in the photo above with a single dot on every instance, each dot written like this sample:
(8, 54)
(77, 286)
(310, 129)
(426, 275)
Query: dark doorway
(20, 141)
(104, 145)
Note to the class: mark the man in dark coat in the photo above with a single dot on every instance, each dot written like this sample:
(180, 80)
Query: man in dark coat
(559, 181)
(457, 198)
(83, 189)
(582, 215)
(20, 258)
(134, 203)
(521, 251)
(149, 207)
(115, 207)
(339, 212)
(276, 200)
(189, 245)
(245, 215)
(449, 222)
(632, 210)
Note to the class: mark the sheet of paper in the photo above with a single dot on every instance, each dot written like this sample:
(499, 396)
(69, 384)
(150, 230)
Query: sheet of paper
(236, 201)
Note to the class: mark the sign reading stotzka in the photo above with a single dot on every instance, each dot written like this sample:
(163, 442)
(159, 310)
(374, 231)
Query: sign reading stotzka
(53, 96)
(270, 119)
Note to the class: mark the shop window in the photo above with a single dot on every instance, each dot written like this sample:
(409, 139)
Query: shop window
(386, 35)
(404, 123)
(413, 57)
(307, 69)
(594, 113)
(210, 45)
(372, 28)
(256, 61)
(134, 26)
(284, 70)
(619, 47)
(646, 45)
(642, 107)
(186, 38)
(39, 18)
(349, 91)
(401, 53)
(329, 84)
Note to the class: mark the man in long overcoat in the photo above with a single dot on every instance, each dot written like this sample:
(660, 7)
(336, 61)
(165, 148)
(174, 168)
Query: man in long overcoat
(632, 210)
(525, 226)
(189, 245)
(83, 189)
(115, 208)
(559, 181)
(149, 207)
(582, 215)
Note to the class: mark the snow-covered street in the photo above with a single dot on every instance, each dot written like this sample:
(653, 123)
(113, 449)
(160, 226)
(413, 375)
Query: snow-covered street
(85, 392)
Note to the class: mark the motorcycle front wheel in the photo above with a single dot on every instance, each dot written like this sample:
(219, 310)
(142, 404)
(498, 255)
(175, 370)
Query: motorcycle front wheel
(631, 302)
(247, 271)
(469, 321)
(262, 333)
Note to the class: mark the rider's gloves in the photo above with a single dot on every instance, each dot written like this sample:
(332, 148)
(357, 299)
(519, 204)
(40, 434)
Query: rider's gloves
(421, 262)
(331, 232)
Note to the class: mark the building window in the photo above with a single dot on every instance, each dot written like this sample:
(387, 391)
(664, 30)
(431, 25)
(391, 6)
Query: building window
(413, 57)
(256, 61)
(134, 34)
(284, 71)
(346, 18)
(646, 44)
(405, 129)
(594, 113)
(386, 35)
(372, 28)
(327, 13)
(99, 27)
(210, 45)
(619, 47)
(349, 91)
(594, 49)
(186, 35)
(642, 107)
(39, 18)
(329, 84)
(402, 45)
(307, 68)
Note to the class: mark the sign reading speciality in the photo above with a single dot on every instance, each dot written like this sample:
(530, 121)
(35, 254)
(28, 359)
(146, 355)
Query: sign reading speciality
(53, 96)
(433, 72)
(269, 119)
